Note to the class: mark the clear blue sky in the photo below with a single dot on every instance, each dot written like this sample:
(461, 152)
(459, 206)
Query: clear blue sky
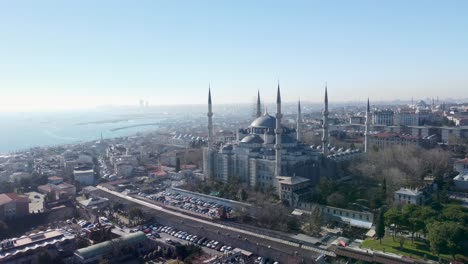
(83, 53)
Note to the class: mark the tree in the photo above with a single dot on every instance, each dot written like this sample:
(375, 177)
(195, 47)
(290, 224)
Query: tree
(384, 188)
(336, 199)
(380, 226)
(243, 195)
(177, 166)
(223, 215)
(401, 241)
(293, 224)
(455, 213)
(446, 237)
(411, 219)
(315, 221)
(117, 206)
(135, 213)
(393, 218)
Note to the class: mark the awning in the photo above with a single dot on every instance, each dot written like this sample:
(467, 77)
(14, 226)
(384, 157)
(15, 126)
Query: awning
(354, 222)
(370, 233)
(362, 224)
(297, 212)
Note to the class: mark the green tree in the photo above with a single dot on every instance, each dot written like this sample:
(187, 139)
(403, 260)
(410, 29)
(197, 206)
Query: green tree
(243, 195)
(455, 213)
(380, 226)
(293, 224)
(393, 218)
(446, 237)
(411, 219)
(384, 188)
(135, 214)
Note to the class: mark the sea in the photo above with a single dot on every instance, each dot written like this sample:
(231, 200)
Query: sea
(21, 131)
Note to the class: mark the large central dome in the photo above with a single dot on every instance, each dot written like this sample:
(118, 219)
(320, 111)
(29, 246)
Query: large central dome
(265, 121)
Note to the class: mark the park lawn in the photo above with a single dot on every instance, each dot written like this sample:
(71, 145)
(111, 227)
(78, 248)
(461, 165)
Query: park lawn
(416, 249)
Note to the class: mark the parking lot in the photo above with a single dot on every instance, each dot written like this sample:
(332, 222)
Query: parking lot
(189, 204)
(212, 247)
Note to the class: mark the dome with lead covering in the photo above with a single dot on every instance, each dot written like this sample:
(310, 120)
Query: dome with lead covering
(252, 139)
(265, 121)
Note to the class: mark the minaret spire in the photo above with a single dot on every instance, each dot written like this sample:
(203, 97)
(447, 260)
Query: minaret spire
(259, 105)
(299, 122)
(210, 119)
(278, 133)
(325, 124)
(366, 133)
(207, 152)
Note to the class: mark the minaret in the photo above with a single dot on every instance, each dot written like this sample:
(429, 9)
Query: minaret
(278, 133)
(299, 122)
(210, 120)
(366, 133)
(325, 125)
(259, 105)
(207, 152)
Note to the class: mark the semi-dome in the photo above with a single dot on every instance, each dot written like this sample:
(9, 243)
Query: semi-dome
(265, 121)
(252, 139)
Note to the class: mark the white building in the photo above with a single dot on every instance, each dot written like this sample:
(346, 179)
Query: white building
(461, 180)
(383, 117)
(409, 196)
(84, 175)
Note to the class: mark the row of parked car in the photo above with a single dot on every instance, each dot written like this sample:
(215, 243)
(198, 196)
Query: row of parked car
(210, 209)
(202, 241)
(198, 205)
(153, 230)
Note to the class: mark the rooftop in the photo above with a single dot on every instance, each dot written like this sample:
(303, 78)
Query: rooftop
(291, 180)
(55, 178)
(105, 247)
(33, 241)
(406, 191)
(8, 197)
(464, 161)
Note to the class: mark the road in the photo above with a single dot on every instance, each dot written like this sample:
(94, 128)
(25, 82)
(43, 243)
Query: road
(257, 243)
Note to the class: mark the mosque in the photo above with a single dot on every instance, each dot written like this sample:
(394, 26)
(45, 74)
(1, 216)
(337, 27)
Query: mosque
(268, 154)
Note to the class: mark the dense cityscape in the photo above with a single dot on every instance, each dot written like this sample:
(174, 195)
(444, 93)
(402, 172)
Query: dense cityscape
(384, 184)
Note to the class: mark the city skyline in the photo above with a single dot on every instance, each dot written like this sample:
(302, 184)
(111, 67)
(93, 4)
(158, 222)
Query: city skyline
(71, 56)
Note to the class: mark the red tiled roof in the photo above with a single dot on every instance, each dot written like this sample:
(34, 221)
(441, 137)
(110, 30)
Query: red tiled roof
(45, 188)
(8, 197)
(465, 161)
(55, 178)
(189, 166)
(65, 185)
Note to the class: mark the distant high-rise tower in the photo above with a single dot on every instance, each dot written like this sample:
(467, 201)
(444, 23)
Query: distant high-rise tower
(299, 122)
(325, 125)
(366, 133)
(278, 131)
(259, 105)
